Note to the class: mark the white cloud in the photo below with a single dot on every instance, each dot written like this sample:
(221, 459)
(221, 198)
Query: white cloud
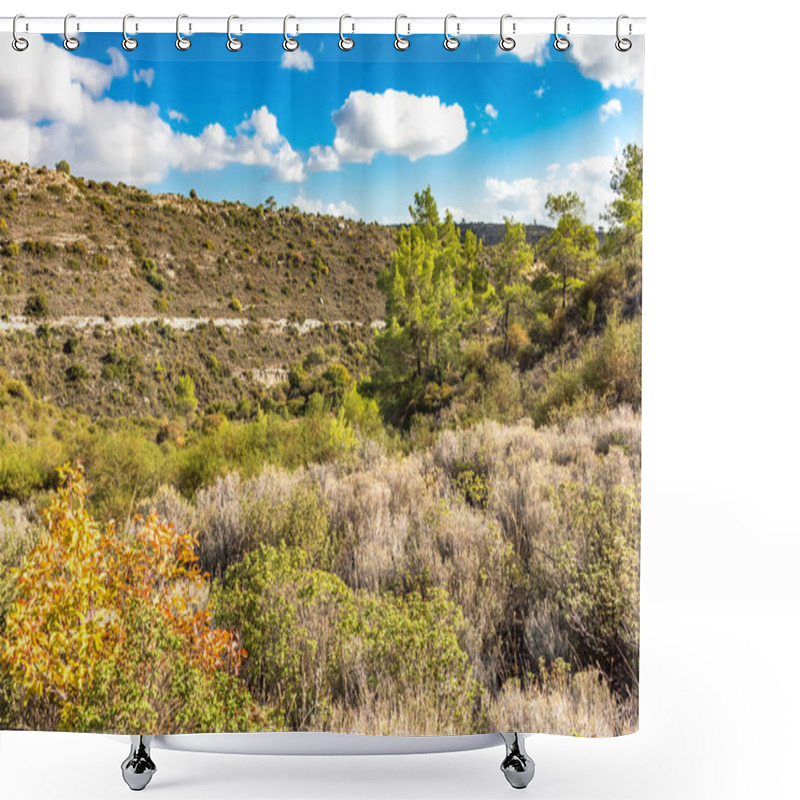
(491, 111)
(484, 131)
(313, 206)
(57, 85)
(144, 76)
(598, 59)
(531, 49)
(610, 109)
(524, 198)
(297, 59)
(117, 140)
(396, 123)
(177, 116)
(538, 92)
(472, 124)
(322, 158)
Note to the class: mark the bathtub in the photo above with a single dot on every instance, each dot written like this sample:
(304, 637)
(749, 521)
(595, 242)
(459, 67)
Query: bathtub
(139, 767)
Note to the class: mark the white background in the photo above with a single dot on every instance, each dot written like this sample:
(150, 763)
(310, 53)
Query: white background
(720, 598)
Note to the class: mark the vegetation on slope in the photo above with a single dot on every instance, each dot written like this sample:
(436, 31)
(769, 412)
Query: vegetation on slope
(442, 534)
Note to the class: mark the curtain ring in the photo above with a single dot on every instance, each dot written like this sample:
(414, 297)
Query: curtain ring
(18, 42)
(233, 44)
(289, 44)
(507, 42)
(345, 42)
(400, 42)
(128, 42)
(450, 42)
(561, 43)
(70, 42)
(181, 42)
(623, 45)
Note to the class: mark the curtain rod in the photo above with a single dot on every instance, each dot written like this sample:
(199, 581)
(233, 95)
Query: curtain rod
(464, 26)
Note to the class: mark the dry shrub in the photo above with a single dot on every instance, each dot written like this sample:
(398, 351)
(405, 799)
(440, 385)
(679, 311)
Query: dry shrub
(402, 527)
(532, 532)
(561, 703)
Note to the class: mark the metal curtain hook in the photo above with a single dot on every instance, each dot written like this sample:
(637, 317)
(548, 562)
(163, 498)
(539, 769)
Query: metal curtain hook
(623, 45)
(507, 42)
(400, 42)
(289, 44)
(70, 42)
(233, 44)
(128, 43)
(181, 42)
(19, 43)
(561, 43)
(450, 42)
(345, 42)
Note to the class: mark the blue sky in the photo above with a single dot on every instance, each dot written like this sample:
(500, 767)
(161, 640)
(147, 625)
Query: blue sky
(354, 132)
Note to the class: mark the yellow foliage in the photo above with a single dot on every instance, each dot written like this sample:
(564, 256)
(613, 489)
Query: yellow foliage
(84, 593)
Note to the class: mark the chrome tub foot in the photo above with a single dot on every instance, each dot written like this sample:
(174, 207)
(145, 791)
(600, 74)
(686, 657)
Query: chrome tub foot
(138, 768)
(517, 766)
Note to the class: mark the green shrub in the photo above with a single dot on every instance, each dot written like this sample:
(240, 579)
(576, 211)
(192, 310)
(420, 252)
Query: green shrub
(319, 264)
(77, 247)
(184, 391)
(314, 645)
(36, 305)
(37, 247)
(11, 249)
(63, 166)
(77, 373)
(599, 578)
(607, 373)
(152, 275)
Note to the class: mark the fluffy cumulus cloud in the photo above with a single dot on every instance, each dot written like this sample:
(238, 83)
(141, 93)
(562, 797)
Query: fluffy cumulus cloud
(177, 116)
(313, 206)
(322, 158)
(524, 198)
(144, 76)
(491, 111)
(297, 59)
(609, 109)
(57, 111)
(598, 59)
(396, 123)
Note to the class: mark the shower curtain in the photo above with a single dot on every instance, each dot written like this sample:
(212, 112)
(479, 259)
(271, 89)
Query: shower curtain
(320, 383)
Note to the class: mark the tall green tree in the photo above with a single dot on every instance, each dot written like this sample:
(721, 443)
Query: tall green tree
(570, 250)
(425, 305)
(512, 263)
(624, 213)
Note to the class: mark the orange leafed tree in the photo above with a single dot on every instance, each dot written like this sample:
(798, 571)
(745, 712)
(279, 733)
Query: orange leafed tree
(112, 632)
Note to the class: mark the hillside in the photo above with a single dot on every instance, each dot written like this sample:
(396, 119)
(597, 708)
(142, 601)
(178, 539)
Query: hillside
(109, 293)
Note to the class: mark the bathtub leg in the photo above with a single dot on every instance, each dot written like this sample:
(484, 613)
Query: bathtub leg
(138, 768)
(517, 766)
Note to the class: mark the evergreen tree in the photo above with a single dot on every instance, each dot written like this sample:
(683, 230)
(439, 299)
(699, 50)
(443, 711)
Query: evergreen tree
(512, 263)
(624, 213)
(425, 304)
(570, 250)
